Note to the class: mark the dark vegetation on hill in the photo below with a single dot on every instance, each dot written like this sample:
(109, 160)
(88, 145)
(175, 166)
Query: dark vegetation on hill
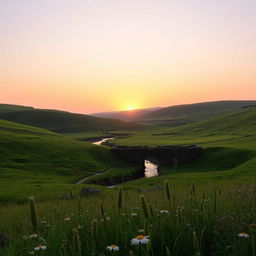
(61, 121)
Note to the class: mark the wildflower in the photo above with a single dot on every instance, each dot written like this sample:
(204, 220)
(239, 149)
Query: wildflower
(123, 214)
(133, 214)
(113, 247)
(140, 239)
(164, 211)
(67, 219)
(43, 222)
(79, 226)
(243, 235)
(33, 236)
(31, 253)
(25, 237)
(40, 247)
(141, 231)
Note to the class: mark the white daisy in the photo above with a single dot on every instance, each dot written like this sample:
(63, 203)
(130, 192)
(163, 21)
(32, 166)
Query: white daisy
(164, 211)
(113, 247)
(67, 219)
(140, 239)
(243, 235)
(40, 247)
(133, 214)
(43, 222)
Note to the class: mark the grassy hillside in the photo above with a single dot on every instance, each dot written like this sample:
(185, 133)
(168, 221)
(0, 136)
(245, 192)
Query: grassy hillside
(37, 161)
(225, 129)
(182, 114)
(60, 121)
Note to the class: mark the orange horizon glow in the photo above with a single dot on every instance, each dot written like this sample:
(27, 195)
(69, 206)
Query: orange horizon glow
(99, 56)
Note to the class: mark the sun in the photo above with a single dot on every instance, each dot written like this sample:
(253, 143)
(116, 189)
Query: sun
(129, 108)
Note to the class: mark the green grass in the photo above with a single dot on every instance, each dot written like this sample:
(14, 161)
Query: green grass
(211, 217)
(37, 161)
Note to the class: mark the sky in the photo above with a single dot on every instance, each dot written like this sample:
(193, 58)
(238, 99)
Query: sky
(90, 56)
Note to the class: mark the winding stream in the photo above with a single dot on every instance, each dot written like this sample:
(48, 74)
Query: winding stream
(99, 142)
(151, 167)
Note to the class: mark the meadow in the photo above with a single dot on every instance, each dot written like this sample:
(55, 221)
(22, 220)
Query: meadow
(205, 207)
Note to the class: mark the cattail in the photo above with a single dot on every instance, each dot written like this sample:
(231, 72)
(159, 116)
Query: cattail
(151, 210)
(33, 214)
(196, 244)
(120, 198)
(71, 194)
(167, 190)
(102, 209)
(193, 189)
(144, 206)
(76, 243)
(103, 215)
(94, 229)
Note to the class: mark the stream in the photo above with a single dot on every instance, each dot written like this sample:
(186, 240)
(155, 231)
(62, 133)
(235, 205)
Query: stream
(99, 142)
(151, 167)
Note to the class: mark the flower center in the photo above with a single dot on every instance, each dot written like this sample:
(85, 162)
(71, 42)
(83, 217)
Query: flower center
(113, 246)
(139, 237)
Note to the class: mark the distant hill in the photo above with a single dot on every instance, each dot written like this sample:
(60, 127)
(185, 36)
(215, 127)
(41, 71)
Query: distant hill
(61, 121)
(242, 122)
(183, 114)
(127, 115)
(7, 108)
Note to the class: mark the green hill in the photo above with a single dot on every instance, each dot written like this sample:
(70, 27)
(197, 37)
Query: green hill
(243, 122)
(236, 129)
(37, 161)
(6, 108)
(183, 114)
(61, 121)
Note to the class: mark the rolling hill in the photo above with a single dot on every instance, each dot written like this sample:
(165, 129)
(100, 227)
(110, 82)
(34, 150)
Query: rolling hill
(196, 112)
(61, 121)
(37, 161)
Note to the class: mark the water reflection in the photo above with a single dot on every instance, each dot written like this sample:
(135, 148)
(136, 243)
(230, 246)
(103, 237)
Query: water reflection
(99, 142)
(151, 169)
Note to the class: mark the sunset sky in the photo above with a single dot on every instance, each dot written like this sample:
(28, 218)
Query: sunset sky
(100, 55)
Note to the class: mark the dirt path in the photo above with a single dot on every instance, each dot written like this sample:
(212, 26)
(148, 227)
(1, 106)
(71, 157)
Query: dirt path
(97, 173)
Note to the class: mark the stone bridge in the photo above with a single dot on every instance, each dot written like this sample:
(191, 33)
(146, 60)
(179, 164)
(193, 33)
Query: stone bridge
(160, 154)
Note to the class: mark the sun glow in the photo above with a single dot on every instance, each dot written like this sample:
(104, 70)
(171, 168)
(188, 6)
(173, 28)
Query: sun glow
(130, 108)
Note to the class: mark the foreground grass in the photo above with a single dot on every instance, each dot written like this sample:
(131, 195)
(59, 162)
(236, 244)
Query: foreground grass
(191, 221)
